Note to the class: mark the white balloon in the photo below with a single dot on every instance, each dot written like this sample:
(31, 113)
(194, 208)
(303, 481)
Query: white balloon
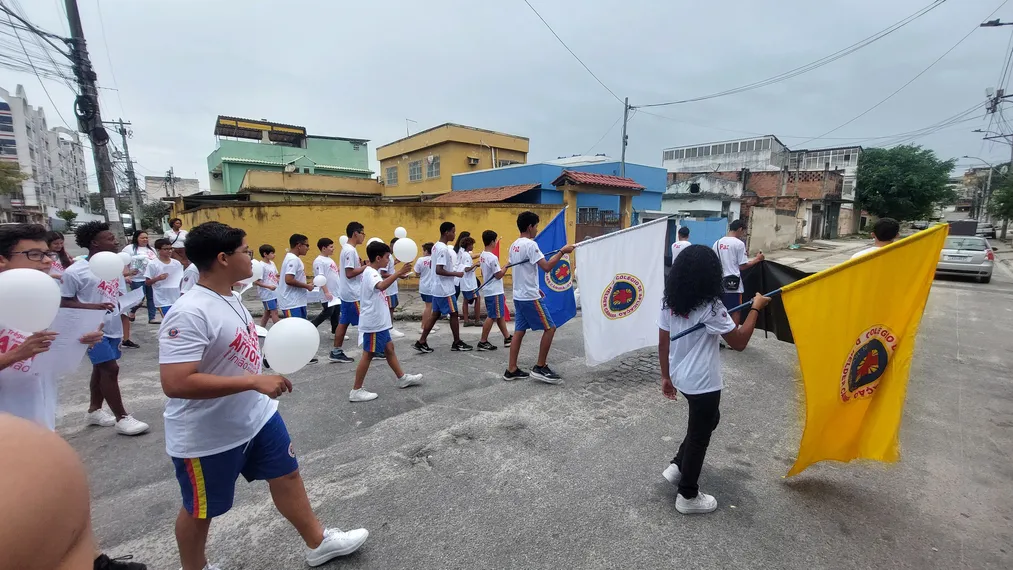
(126, 257)
(31, 299)
(343, 240)
(372, 239)
(319, 281)
(400, 233)
(261, 331)
(258, 270)
(291, 344)
(405, 250)
(106, 265)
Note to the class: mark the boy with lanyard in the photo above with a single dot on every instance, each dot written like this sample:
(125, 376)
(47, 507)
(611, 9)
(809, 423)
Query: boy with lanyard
(157, 274)
(81, 289)
(427, 283)
(349, 282)
(392, 291)
(495, 297)
(221, 420)
(529, 311)
(375, 322)
(444, 303)
(267, 286)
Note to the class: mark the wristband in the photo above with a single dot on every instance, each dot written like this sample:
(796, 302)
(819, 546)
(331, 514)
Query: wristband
(754, 309)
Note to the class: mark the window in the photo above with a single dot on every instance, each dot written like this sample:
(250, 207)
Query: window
(705, 151)
(716, 149)
(502, 163)
(766, 144)
(680, 153)
(690, 153)
(415, 171)
(728, 148)
(748, 146)
(433, 167)
(668, 155)
(391, 176)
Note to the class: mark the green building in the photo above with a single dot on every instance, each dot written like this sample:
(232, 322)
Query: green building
(245, 145)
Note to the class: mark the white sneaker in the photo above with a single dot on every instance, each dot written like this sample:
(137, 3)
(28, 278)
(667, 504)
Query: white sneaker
(101, 417)
(422, 329)
(701, 503)
(129, 426)
(409, 380)
(394, 333)
(336, 543)
(360, 395)
(672, 473)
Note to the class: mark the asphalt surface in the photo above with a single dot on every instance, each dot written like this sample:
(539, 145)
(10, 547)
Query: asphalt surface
(469, 471)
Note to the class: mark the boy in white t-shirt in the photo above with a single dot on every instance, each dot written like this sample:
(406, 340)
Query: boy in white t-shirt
(267, 285)
(292, 287)
(190, 276)
(427, 283)
(693, 296)
(392, 291)
(324, 265)
(885, 232)
(350, 269)
(469, 283)
(495, 298)
(163, 275)
(375, 322)
(222, 420)
(731, 250)
(444, 265)
(681, 242)
(529, 311)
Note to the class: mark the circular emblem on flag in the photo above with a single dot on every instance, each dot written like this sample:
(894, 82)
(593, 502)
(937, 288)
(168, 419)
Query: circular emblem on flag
(173, 332)
(622, 297)
(561, 276)
(867, 363)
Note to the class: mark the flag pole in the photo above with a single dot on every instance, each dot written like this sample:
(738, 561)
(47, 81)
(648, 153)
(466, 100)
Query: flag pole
(745, 305)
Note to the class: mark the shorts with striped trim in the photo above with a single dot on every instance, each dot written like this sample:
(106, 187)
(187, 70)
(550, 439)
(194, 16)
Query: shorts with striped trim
(208, 484)
(445, 305)
(495, 306)
(349, 313)
(270, 305)
(298, 312)
(426, 298)
(375, 342)
(532, 315)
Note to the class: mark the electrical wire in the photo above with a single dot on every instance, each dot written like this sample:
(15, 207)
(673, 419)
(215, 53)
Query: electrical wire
(39, 77)
(909, 82)
(811, 65)
(584, 65)
(588, 151)
(102, 26)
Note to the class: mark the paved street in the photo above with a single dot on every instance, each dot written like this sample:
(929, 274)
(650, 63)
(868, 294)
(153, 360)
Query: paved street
(469, 471)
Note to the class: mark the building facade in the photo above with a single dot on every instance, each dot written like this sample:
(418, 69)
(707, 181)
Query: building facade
(424, 164)
(704, 196)
(53, 160)
(245, 145)
(159, 187)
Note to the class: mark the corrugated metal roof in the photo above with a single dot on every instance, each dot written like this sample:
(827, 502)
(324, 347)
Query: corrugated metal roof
(493, 194)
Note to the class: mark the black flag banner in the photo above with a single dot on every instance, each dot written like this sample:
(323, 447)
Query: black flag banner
(762, 278)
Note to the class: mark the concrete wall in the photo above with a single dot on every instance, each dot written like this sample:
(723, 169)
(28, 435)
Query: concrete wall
(705, 207)
(298, 182)
(273, 223)
(770, 230)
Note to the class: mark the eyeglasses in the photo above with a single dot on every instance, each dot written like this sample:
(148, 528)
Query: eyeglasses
(166, 248)
(36, 254)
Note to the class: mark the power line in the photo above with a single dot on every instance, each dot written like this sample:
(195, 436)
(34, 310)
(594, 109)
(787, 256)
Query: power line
(102, 26)
(48, 96)
(812, 65)
(605, 135)
(600, 82)
(912, 80)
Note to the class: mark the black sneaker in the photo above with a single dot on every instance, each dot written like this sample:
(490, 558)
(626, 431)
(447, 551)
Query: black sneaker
(103, 562)
(507, 341)
(313, 360)
(516, 375)
(461, 347)
(486, 346)
(545, 374)
(338, 355)
(129, 344)
(266, 365)
(422, 347)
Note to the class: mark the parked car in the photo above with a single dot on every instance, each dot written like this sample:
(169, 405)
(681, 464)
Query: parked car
(966, 256)
(920, 225)
(985, 230)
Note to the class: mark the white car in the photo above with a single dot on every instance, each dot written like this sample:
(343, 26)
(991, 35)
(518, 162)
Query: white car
(966, 256)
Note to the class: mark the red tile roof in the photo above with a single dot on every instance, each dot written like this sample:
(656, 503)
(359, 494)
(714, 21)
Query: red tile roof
(591, 179)
(495, 194)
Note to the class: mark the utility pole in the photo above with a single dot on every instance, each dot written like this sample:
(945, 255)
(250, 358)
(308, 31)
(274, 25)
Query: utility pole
(89, 120)
(170, 183)
(994, 100)
(135, 192)
(626, 118)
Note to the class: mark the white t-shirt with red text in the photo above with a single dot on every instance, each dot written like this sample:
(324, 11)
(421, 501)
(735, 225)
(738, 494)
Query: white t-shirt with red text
(427, 277)
(78, 281)
(374, 310)
(443, 256)
(677, 248)
(270, 277)
(490, 267)
(526, 254)
(693, 362)
(732, 253)
(220, 335)
(292, 297)
(348, 289)
(24, 392)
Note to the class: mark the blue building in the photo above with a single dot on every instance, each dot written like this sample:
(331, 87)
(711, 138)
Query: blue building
(532, 183)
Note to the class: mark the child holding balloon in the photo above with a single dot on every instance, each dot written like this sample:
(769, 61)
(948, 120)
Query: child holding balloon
(375, 322)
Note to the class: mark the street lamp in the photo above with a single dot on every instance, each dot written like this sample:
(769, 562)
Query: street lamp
(988, 186)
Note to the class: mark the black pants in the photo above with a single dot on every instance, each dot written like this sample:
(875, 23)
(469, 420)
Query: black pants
(703, 419)
(334, 313)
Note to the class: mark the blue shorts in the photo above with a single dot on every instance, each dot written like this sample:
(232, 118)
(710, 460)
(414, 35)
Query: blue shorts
(106, 350)
(469, 295)
(208, 484)
(445, 305)
(349, 313)
(165, 309)
(375, 342)
(298, 312)
(426, 298)
(495, 306)
(271, 305)
(393, 301)
(731, 300)
(532, 315)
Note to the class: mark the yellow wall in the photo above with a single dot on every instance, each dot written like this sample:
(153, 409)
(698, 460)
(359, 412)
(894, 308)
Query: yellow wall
(451, 132)
(261, 179)
(273, 223)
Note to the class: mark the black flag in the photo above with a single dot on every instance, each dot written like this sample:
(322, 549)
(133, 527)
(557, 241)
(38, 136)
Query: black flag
(763, 278)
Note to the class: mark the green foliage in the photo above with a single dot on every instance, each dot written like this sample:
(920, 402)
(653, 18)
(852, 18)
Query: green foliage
(1001, 205)
(904, 182)
(67, 215)
(152, 214)
(11, 177)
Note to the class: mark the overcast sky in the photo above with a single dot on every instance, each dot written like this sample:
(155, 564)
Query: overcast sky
(359, 69)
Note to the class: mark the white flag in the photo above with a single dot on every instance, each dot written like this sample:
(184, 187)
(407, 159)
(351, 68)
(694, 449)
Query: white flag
(622, 281)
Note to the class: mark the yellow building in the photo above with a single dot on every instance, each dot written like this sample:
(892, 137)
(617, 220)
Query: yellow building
(423, 164)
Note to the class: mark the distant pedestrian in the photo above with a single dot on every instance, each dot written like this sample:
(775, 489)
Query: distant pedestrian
(681, 242)
(495, 299)
(731, 250)
(444, 301)
(177, 237)
(350, 269)
(141, 254)
(158, 273)
(267, 285)
(62, 261)
(427, 284)
(693, 295)
(375, 323)
(885, 232)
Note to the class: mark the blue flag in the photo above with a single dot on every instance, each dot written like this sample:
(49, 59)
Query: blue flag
(556, 285)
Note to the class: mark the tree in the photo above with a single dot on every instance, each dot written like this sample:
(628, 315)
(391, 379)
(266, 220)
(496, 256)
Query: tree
(1001, 206)
(11, 177)
(153, 213)
(67, 215)
(904, 182)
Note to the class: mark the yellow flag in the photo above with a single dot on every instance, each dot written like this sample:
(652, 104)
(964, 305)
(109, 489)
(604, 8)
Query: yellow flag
(854, 327)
